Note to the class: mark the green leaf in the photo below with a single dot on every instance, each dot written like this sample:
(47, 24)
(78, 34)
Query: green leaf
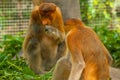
(27, 70)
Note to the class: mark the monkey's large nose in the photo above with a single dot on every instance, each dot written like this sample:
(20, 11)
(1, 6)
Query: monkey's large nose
(44, 22)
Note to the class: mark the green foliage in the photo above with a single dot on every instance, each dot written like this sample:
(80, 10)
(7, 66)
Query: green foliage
(97, 14)
(13, 67)
(11, 44)
(111, 39)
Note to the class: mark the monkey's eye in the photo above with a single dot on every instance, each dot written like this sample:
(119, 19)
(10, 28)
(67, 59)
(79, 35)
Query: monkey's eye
(48, 15)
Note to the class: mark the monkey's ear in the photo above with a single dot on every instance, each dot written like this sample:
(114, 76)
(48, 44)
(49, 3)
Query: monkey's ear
(45, 8)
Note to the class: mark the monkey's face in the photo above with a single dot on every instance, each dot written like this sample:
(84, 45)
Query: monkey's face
(47, 11)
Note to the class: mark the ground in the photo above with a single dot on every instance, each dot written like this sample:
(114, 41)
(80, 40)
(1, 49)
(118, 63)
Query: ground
(115, 73)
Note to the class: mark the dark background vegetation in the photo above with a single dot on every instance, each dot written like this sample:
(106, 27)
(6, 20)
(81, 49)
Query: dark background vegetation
(101, 15)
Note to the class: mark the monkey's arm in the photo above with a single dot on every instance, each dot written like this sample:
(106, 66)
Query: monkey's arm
(78, 63)
(55, 33)
(62, 69)
(26, 41)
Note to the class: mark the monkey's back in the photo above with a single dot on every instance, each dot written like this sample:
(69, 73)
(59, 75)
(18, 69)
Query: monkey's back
(96, 63)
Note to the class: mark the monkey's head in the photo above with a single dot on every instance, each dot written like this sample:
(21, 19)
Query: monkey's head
(47, 12)
(44, 13)
(51, 15)
(73, 23)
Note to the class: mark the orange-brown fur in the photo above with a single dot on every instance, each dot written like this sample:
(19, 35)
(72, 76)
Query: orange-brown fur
(89, 59)
(36, 2)
(41, 46)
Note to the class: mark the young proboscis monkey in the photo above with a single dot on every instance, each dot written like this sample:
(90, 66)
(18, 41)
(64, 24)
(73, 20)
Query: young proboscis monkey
(87, 57)
(45, 33)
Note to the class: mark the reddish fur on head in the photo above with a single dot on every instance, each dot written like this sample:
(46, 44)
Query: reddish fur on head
(48, 14)
(46, 10)
(43, 13)
(74, 22)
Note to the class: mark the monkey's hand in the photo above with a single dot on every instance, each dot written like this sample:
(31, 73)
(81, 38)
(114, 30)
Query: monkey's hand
(54, 33)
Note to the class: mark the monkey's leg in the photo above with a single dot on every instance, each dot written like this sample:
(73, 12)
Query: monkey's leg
(34, 55)
(62, 69)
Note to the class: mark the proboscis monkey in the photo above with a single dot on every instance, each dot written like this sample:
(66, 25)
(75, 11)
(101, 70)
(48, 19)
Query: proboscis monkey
(87, 57)
(45, 33)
